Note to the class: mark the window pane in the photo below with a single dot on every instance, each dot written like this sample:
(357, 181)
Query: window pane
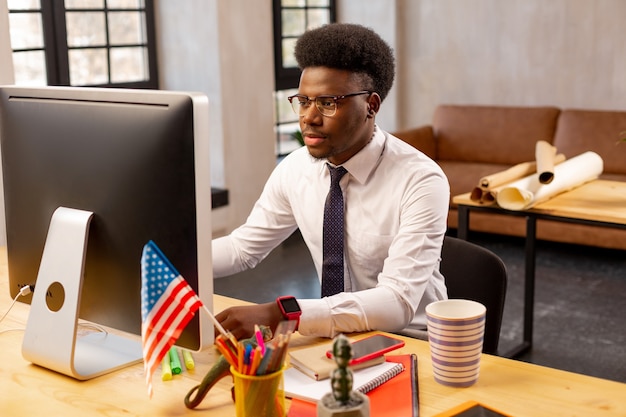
(23, 4)
(287, 141)
(88, 66)
(292, 3)
(84, 4)
(318, 18)
(30, 68)
(126, 28)
(293, 22)
(289, 60)
(85, 29)
(129, 64)
(283, 108)
(317, 3)
(26, 30)
(125, 4)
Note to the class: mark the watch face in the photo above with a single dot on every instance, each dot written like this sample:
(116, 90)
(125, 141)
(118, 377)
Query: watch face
(290, 305)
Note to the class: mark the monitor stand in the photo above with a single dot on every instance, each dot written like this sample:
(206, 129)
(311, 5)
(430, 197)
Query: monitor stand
(50, 339)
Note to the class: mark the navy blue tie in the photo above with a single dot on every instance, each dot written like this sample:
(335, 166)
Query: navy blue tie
(332, 244)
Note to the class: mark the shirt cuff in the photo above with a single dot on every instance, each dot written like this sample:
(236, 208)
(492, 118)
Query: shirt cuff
(315, 319)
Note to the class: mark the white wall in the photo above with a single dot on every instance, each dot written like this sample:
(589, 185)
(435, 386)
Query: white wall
(224, 49)
(567, 53)
(6, 57)
(381, 16)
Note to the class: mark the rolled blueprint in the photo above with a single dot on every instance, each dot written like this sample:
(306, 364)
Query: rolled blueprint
(528, 191)
(489, 185)
(545, 154)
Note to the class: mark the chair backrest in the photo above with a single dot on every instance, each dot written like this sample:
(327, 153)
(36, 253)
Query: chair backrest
(475, 273)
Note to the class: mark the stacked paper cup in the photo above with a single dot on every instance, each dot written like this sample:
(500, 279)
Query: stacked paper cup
(455, 331)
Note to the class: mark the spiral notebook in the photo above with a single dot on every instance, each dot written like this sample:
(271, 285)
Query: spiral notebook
(397, 397)
(300, 386)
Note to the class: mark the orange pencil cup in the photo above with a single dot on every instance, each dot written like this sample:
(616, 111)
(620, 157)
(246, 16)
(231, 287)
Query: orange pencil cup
(259, 396)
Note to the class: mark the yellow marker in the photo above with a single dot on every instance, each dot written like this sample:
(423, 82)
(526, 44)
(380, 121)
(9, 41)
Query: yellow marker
(166, 369)
(188, 359)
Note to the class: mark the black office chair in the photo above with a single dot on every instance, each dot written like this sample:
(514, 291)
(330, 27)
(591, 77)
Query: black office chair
(475, 273)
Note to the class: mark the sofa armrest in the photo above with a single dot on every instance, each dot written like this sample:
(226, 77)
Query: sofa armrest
(422, 138)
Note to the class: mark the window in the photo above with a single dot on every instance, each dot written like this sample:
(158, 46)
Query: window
(83, 42)
(291, 19)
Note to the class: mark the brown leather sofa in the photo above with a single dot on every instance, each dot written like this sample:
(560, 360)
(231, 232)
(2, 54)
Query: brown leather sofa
(471, 141)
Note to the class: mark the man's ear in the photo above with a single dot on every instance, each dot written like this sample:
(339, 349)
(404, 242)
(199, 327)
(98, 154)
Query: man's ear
(373, 105)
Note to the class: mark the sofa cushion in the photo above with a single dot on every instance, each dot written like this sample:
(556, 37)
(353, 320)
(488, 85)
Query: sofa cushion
(579, 131)
(492, 134)
(421, 138)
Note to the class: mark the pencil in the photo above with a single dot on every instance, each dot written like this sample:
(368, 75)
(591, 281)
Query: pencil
(259, 338)
(256, 360)
(265, 361)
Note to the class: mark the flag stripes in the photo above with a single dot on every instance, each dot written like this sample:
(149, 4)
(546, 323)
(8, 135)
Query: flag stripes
(168, 304)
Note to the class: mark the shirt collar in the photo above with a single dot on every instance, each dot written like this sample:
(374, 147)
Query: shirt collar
(361, 165)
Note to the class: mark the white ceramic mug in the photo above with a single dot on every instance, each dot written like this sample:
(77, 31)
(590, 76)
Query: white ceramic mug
(456, 330)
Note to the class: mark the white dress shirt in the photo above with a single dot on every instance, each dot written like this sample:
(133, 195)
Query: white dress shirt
(396, 208)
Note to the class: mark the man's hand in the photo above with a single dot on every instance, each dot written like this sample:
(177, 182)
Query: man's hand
(240, 321)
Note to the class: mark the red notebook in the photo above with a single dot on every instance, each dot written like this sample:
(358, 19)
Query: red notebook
(396, 397)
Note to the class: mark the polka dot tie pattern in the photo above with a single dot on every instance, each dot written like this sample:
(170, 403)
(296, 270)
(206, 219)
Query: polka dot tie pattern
(332, 245)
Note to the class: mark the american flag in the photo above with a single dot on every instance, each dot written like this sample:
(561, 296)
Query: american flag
(167, 305)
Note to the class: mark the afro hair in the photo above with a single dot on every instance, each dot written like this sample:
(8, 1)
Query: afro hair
(349, 47)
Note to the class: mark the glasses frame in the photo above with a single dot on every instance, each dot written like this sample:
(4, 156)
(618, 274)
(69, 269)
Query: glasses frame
(301, 109)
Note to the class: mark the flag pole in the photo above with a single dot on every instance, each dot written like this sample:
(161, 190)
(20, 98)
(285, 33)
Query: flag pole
(221, 329)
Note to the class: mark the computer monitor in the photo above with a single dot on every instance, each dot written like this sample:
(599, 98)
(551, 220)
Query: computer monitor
(122, 167)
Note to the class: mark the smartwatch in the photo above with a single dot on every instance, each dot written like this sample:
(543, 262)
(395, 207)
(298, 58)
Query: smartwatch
(290, 308)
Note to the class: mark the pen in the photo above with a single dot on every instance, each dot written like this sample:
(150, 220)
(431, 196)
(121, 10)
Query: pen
(415, 386)
(175, 361)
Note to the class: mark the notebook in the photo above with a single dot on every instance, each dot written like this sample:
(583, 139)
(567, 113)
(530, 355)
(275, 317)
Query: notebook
(397, 397)
(313, 361)
(299, 385)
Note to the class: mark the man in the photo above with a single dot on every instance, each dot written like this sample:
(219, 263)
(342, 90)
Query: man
(395, 200)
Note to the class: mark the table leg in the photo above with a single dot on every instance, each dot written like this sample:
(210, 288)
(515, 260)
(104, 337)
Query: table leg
(462, 230)
(529, 278)
(529, 290)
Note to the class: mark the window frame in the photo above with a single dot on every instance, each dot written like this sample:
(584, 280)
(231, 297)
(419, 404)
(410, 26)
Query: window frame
(56, 49)
(288, 78)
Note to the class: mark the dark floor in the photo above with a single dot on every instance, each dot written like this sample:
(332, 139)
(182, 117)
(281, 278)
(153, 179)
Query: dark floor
(580, 299)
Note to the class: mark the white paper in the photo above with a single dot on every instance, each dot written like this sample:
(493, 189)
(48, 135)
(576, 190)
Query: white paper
(299, 385)
(545, 154)
(528, 191)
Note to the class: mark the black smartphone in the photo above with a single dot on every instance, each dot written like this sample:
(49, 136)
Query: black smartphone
(371, 347)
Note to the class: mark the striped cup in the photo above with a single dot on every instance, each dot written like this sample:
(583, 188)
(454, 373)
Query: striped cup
(455, 333)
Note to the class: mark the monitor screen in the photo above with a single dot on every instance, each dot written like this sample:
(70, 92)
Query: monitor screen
(139, 161)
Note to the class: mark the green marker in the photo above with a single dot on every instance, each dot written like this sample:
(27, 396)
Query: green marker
(175, 361)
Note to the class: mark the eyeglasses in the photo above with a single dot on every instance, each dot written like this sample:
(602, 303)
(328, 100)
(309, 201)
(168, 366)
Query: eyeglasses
(326, 105)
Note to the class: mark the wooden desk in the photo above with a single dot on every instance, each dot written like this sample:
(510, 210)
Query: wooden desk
(518, 388)
(599, 202)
